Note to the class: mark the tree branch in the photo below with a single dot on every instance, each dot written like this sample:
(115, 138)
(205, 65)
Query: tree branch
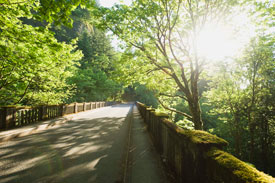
(176, 111)
(167, 95)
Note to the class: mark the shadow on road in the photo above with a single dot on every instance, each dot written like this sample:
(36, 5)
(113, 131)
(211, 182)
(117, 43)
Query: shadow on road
(82, 150)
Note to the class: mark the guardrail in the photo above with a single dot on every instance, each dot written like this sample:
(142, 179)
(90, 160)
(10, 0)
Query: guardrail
(196, 156)
(12, 117)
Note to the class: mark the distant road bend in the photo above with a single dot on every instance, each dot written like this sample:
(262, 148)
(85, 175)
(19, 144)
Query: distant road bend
(105, 145)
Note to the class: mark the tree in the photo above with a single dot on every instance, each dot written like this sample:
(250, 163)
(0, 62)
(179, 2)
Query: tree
(226, 97)
(243, 97)
(138, 92)
(92, 80)
(49, 10)
(258, 62)
(163, 34)
(33, 63)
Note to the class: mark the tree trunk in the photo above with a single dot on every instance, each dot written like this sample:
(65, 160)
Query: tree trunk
(195, 110)
(252, 143)
(264, 143)
(237, 135)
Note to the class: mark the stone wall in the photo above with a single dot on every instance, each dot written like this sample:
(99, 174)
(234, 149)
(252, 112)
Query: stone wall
(196, 156)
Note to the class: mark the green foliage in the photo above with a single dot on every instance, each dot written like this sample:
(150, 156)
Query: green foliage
(140, 93)
(33, 64)
(93, 85)
(49, 10)
(242, 97)
(60, 11)
(263, 12)
(97, 50)
(185, 124)
(92, 80)
(160, 37)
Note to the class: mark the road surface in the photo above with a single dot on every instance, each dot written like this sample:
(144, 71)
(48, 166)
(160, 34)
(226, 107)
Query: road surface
(105, 145)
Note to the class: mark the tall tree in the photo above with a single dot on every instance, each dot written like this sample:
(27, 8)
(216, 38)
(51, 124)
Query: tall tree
(163, 33)
(92, 80)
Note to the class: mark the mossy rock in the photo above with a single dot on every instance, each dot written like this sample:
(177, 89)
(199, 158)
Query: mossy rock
(203, 138)
(150, 109)
(141, 104)
(197, 137)
(242, 171)
(161, 114)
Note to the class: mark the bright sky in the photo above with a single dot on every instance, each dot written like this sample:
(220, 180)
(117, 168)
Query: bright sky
(110, 3)
(215, 42)
(219, 41)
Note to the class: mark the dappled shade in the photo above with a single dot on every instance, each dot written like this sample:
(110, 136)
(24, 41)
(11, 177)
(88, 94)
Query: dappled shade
(82, 150)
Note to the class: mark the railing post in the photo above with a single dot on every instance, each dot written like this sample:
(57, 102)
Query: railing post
(61, 108)
(29, 115)
(75, 107)
(92, 105)
(9, 117)
(42, 113)
(84, 106)
(2, 121)
(149, 118)
(160, 126)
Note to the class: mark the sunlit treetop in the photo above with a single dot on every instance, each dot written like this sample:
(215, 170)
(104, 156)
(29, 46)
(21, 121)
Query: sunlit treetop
(49, 10)
(33, 63)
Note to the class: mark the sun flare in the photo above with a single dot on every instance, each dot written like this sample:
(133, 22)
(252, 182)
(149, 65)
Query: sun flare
(218, 41)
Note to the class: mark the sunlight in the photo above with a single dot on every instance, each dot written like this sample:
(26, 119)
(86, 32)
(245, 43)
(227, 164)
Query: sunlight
(218, 41)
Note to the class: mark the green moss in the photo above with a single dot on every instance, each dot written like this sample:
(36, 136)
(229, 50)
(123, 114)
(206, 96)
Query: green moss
(141, 104)
(161, 114)
(242, 170)
(150, 109)
(197, 136)
(202, 137)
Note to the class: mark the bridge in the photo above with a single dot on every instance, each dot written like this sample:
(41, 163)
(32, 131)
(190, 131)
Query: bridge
(113, 144)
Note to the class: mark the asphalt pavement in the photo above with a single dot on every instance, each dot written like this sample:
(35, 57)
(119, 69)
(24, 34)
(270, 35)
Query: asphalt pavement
(105, 145)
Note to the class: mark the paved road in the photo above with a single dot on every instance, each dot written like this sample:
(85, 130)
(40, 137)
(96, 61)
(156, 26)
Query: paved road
(92, 147)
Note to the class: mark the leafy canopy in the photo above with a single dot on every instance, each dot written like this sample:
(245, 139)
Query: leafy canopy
(33, 63)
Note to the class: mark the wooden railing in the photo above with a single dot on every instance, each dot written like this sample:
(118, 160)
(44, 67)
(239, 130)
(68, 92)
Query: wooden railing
(195, 156)
(12, 117)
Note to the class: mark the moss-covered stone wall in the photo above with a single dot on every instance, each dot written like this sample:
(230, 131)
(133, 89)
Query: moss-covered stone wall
(197, 156)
